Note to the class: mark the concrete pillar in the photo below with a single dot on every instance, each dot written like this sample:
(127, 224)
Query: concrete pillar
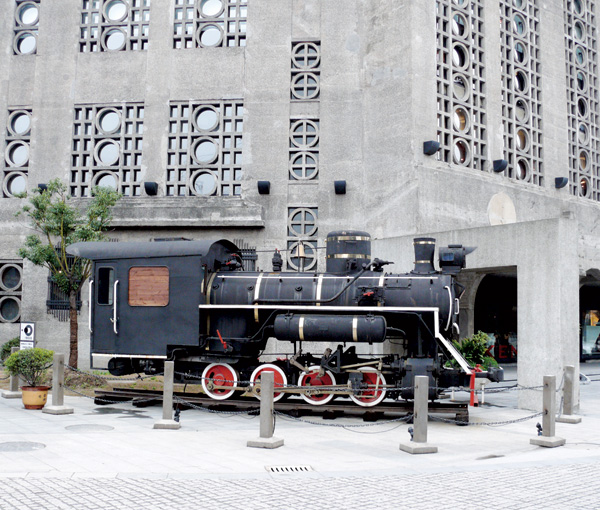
(419, 440)
(548, 439)
(13, 392)
(58, 388)
(569, 392)
(167, 421)
(266, 439)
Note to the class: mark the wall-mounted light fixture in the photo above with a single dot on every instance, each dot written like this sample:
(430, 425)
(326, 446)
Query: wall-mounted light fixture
(500, 165)
(340, 187)
(264, 187)
(43, 186)
(561, 182)
(430, 147)
(151, 188)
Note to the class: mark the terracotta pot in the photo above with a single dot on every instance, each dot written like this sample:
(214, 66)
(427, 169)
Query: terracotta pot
(34, 397)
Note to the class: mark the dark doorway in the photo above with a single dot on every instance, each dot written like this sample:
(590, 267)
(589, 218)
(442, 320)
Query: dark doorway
(589, 318)
(496, 315)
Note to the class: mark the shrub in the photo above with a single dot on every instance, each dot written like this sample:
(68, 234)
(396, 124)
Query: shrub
(30, 364)
(6, 347)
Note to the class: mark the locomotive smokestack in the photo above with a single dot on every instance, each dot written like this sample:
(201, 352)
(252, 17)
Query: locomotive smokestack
(424, 251)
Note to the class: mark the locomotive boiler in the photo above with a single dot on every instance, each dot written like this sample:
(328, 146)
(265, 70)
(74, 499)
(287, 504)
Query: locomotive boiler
(193, 303)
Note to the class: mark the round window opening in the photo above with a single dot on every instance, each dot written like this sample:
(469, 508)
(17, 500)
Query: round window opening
(26, 43)
(461, 153)
(17, 154)
(16, 184)
(581, 82)
(210, 35)
(580, 55)
(114, 39)
(116, 10)
(578, 6)
(460, 120)
(28, 14)
(11, 277)
(107, 181)
(205, 151)
(20, 123)
(518, 4)
(9, 309)
(583, 160)
(460, 87)
(519, 24)
(520, 81)
(584, 187)
(582, 133)
(109, 121)
(520, 52)
(582, 107)
(205, 183)
(207, 119)
(459, 25)
(211, 8)
(522, 140)
(579, 31)
(522, 170)
(459, 56)
(108, 153)
(521, 110)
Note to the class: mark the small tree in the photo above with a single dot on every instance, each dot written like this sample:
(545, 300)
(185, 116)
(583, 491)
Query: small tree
(59, 223)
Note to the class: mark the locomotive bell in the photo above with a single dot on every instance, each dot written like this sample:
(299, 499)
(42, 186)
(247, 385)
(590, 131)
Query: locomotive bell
(424, 251)
(347, 251)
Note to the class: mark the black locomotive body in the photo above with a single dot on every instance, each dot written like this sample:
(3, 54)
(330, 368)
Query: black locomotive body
(192, 302)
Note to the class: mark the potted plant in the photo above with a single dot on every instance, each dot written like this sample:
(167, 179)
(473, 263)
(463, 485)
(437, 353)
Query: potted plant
(31, 365)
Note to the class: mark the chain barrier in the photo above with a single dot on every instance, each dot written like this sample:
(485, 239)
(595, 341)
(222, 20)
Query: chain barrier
(180, 400)
(404, 419)
(488, 423)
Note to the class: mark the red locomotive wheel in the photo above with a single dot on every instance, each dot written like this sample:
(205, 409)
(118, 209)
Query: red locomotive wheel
(278, 375)
(375, 393)
(219, 374)
(313, 380)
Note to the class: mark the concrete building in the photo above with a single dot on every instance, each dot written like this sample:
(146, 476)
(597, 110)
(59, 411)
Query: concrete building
(206, 98)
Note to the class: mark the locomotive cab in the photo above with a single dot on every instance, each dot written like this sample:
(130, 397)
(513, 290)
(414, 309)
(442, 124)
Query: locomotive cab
(144, 298)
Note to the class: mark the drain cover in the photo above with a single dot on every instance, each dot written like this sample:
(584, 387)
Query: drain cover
(288, 469)
(89, 428)
(21, 446)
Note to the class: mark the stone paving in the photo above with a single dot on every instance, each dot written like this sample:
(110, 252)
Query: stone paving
(111, 458)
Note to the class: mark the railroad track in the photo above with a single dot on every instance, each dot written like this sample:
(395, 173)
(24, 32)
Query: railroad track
(292, 406)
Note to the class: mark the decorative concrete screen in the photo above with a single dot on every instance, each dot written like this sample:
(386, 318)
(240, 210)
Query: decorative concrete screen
(16, 152)
(302, 230)
(11, 290)
(27, 16)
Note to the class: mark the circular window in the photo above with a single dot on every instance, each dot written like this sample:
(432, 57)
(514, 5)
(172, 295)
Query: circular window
(25, 43)
(107, 152)
(519, 25)
(460, 56)
(520, 52)
(522, 140)
(304, 166)
(581, 81)
(310, 259)
(303, 222)
(107, 180)
(305, 86)
(204, 183)
(461, 3)
(582, 133)
(304, 133)
(578, 31)
(19, 123)
(210, 35)
(522, 170)
(204, 150)
(584, 187)
(206, 119)
(109, 121)
(520, 81)
(17, 153)
(114, 39)
(10, 309)
(15, 183)
(461, 154)
(582, 107)
(211, 8)
(519, 3)
(583, 161)
(306, 56)
(460, 120)
(28, 14)
(10, 277)
(578, 7)
(580, 55)
(115, 10)
(460, 87)
(459, 25)
(521, 110)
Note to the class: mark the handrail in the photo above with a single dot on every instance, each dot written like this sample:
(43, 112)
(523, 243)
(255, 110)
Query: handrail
(91, 295)
(115, 307)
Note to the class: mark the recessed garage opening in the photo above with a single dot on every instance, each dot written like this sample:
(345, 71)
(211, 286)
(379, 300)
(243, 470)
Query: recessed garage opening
(589, 317)
(496, 314)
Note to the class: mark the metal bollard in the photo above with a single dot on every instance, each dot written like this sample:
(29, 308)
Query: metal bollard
(567, 415)
(58, 388)
(548, 439)
(13, 392)
(167, 421)
(266, 439)
(419, 440)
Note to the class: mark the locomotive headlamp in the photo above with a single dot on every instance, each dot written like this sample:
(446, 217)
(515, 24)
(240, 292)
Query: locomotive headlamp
(453, 258)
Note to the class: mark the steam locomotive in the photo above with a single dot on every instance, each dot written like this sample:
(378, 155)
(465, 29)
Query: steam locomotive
(193, 303)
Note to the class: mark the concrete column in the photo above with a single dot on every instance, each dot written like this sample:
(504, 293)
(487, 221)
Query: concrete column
(266, 439)
(419, 440)
(58, 388)
(13, 392)
(569, 392)
(167, 421)
(548, 439)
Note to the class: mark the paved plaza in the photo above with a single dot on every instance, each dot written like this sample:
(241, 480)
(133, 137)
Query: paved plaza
(110, 457)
